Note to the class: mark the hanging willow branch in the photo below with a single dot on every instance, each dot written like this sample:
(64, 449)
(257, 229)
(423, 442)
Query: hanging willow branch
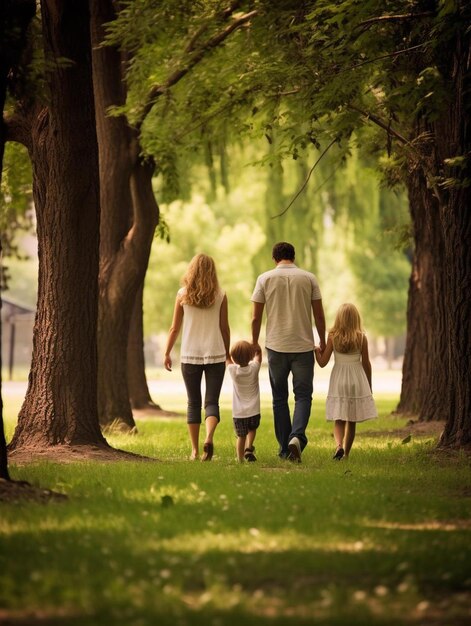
(303, 186)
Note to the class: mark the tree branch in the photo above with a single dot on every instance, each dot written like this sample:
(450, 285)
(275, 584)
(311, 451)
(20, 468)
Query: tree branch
(280, 94)
(303, 186)
(235, 4)
(420, 157)
(196, 57)
(18, 129)
(396, 18)
(390, 55)
(224, 14)
(379, 122)
(191, 45)
(216, 113)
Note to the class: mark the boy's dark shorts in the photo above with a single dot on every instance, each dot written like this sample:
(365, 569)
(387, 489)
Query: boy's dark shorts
(243, 425)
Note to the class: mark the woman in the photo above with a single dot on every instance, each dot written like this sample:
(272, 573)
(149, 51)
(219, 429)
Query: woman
(202, 308)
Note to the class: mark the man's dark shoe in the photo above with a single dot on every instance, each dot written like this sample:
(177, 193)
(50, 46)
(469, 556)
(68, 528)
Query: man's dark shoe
(294, 448)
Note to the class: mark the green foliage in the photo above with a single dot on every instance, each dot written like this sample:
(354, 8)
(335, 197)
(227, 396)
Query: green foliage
(16, 189)
(382, 276)
(376, 254)
(16, 214)
(198, 227)
(285, 84)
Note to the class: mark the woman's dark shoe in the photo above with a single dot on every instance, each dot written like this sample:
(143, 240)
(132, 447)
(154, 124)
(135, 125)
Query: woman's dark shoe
(249, 454)
(208, 450)
(338, 453)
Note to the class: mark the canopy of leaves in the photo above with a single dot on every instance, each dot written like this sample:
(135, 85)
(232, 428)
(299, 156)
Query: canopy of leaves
(303, 79)
(15, 201)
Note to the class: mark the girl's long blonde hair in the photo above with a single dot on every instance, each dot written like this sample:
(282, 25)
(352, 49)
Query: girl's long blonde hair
(347, 331)
(200, 282)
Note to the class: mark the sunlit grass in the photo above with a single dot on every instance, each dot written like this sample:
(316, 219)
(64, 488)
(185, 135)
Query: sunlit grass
(382, 539)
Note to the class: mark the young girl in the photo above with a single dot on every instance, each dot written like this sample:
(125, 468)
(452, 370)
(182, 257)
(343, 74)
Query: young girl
(201, 308)
(244, 367)
(349, 399)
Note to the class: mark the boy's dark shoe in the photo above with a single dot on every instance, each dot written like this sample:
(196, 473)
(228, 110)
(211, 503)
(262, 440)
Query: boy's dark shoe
(249, 455)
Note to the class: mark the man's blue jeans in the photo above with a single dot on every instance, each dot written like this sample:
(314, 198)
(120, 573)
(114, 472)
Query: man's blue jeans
(301, 366)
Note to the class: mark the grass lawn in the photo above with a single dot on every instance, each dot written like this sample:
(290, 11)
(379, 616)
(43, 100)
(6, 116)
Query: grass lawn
(383, 538)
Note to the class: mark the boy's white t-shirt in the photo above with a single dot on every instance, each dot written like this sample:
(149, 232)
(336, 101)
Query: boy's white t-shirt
(246, 389)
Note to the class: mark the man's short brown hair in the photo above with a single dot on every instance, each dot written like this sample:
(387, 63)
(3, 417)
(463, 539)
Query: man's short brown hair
(283, 251)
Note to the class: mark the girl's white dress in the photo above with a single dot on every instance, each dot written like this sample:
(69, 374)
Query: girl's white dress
(349, 397)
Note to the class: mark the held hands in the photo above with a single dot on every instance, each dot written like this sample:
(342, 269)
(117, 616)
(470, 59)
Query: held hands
(168, 362)
(318, 353)
(257, 348)
(320, 349)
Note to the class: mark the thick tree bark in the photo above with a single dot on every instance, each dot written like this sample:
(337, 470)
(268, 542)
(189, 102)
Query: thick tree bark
(456, 220)
(137, 382)
(442, 223)
(116, 211)
(453, 138)
(61, 401)
(129, 217)
(423, 376)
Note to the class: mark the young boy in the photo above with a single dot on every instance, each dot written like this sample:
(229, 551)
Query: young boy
(244, 368)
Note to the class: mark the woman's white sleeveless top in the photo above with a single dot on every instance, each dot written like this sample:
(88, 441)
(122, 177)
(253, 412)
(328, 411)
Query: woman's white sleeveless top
(202, 340)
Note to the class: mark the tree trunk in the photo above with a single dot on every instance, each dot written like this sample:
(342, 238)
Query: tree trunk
(453, 137)
(137, 382)
(3, 444)
(15, 17)
(61, 401)
(129, 217)
(446, 221)
(456, 220)
(390, 343)
(423, 377)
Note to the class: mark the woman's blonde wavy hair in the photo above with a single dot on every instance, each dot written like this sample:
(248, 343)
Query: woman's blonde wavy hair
(200, 282)
(347, 331)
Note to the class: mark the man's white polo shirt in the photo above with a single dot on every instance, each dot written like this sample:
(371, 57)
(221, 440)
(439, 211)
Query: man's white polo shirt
(287, 293)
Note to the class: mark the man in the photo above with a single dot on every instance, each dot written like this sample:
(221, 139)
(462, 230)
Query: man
(289, 295)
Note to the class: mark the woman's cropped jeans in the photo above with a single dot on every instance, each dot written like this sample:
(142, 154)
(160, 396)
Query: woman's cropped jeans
(192, 376)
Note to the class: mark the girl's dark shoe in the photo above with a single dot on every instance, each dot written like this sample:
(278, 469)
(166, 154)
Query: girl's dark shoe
(249, 455)
(208, 450)
(338, 453)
